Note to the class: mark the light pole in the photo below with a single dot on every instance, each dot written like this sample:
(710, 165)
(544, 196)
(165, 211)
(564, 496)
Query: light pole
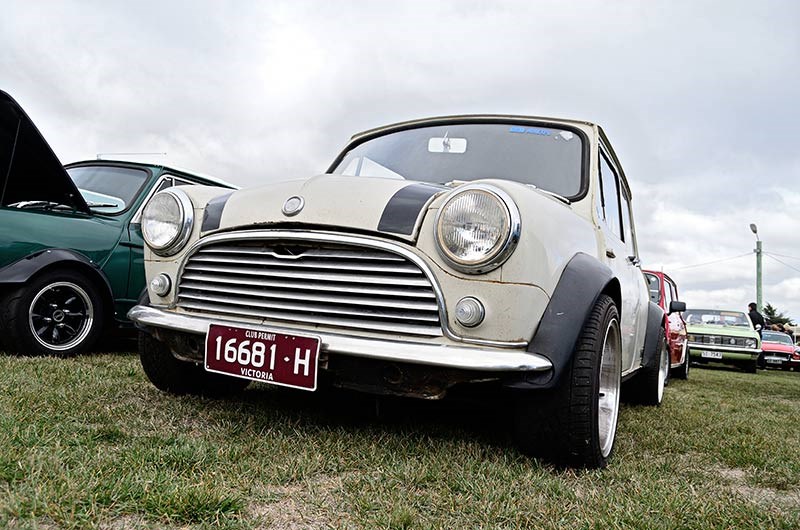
(754, 229)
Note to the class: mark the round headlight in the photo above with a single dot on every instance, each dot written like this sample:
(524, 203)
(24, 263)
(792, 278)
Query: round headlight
(477, 228)
(167, 221)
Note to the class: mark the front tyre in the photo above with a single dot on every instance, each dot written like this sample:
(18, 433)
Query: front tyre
(59, 313)
(171, 375)
(576, 422)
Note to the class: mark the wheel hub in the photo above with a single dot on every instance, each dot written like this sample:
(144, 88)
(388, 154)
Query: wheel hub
(60, 316)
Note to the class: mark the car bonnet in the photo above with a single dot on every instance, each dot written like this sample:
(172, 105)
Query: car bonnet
(29, 169)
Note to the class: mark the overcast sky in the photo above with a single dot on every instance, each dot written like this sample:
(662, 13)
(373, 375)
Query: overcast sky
(699, 98)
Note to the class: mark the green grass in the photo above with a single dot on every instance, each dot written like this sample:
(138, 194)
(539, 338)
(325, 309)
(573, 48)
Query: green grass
(89, 443)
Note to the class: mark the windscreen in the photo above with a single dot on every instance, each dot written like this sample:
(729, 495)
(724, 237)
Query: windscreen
(108, 189)
(548, 158)
(716, 317)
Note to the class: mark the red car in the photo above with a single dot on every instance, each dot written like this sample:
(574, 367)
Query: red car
(664, 292)
(778, 351)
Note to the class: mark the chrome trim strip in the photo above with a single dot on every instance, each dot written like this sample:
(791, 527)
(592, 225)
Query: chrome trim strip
(404, 280)
(363, 241)
(222, 260)
(234, 313)
(466, 358)
(291, 305)
(722, 348)
(362, 301)
(425, 294)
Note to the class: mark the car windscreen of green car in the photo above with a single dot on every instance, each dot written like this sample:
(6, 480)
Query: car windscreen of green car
(71, 249)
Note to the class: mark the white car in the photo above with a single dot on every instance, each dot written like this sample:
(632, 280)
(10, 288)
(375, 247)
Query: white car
(498, 250)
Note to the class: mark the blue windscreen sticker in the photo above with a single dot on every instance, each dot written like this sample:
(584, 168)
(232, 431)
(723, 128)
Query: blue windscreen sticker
(529, 130)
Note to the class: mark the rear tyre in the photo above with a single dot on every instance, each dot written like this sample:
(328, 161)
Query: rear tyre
(575, 423)
(169, 374)
(60, 313)
(647, 387)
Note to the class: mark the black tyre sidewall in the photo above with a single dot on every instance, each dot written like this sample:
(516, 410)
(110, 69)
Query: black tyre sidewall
(174, 376)
(18, 334)
(562, 423)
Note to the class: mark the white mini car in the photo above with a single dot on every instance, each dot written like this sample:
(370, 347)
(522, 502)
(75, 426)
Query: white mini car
(498, 250)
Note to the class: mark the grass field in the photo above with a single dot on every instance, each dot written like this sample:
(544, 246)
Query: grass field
(89, 443)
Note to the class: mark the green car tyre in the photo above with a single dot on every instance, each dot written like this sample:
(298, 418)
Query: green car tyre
(59, 313)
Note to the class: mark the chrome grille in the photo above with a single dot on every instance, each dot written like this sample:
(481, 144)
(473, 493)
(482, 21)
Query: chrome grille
(311, 282)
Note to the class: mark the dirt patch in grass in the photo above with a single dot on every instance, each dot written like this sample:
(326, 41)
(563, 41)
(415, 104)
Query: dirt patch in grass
(299, 506)
(737, 481)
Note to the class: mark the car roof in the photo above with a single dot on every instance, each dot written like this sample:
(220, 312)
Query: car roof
(466, 117)
(157, 167)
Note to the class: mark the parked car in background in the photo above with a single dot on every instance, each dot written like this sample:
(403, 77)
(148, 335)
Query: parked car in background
(492, 250)
(778, 351)
(71, 246)
(664, 292)
(722, 336)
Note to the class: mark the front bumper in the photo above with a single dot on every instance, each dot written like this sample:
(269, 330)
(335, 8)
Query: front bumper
(731, 353)
(778, 361)
(480, 358)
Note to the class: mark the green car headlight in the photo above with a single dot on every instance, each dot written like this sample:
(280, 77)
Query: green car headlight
(167, 221)
(751, 343)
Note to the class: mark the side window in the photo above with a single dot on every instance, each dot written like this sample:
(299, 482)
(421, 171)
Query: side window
(627, 233)
(653, 287)
(166, 183)
(182, 182)
(673, 290)
(668, 295)
(610, 195)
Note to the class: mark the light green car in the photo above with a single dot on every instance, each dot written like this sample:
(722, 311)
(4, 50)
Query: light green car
(722, 336)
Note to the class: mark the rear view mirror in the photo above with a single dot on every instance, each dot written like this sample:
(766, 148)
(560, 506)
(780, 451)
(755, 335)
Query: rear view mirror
(677, 307)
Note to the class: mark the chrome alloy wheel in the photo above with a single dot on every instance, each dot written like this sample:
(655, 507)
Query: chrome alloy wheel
(60, 316)
(608, 396)
(663, 369)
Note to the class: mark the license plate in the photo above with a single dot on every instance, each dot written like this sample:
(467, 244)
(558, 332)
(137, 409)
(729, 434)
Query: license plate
(711, 355)
(276, 358)
(773, 360)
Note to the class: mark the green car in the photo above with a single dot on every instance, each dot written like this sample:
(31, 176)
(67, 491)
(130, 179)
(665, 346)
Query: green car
(722, 336)
(71, 246)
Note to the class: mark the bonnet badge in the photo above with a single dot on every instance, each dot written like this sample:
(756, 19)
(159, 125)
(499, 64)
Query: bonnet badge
(293, 205)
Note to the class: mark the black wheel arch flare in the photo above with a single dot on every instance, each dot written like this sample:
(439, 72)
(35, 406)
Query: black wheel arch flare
(582, 282)
(656, 321)
(23, 270)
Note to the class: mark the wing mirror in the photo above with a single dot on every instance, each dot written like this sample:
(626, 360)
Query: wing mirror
(677, 307)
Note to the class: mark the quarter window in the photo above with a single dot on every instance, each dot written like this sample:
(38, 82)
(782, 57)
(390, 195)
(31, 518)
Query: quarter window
(609, 186)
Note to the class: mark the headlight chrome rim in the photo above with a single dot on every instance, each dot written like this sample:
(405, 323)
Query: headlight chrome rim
(503, 250)
(182, 237)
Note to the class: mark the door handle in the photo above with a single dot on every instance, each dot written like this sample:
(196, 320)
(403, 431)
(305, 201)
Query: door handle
(610, 253)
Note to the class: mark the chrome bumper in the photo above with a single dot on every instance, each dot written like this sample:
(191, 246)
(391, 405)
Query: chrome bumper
(722, 348)
(463, 357)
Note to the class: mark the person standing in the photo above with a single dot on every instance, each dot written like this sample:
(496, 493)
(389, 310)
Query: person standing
(755, 317)
(758, 322)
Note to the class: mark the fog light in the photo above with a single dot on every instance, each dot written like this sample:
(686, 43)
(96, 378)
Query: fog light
(161, 284)
(469, 312)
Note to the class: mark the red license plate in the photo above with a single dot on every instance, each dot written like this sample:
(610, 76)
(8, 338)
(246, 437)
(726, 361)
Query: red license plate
(277, 358)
